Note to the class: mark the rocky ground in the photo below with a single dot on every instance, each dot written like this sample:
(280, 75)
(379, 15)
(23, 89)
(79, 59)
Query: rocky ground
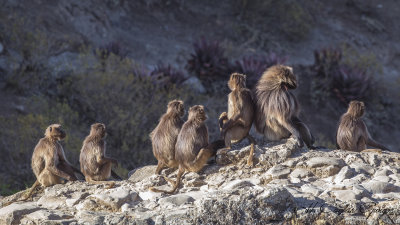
(287, 185)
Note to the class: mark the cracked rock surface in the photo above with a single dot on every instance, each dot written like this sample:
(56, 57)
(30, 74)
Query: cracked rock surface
(286, 185)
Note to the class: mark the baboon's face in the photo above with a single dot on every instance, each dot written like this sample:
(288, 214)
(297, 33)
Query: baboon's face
(356, 108)
(177, 106)
(237, 80)
(55, 131)
(98, 129)
(197, 112)
(287, 78)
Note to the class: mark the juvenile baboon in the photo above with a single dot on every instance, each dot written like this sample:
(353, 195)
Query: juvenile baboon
(277, 109)
(94, 164)
(163, 137)
(192, 149)
(236, 124)
(49, 163)
(352, 133)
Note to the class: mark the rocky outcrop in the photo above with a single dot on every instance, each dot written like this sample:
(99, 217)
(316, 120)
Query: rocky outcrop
(286, 185)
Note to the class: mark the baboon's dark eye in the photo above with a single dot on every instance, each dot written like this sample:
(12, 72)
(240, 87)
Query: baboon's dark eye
(50, 129)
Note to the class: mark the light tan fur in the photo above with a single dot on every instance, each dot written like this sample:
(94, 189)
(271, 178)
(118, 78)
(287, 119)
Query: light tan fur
(352, 133)
(277, 108)
(49, 163)
(95, 165)
(164, 136)
(236, 124)
(192, 149)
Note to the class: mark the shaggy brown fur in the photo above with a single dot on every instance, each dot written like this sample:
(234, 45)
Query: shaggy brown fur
(352, 133)
(277, 109)
(164, 136)
(192, 149)
(236, 124)
(94, 164)
(49, 163)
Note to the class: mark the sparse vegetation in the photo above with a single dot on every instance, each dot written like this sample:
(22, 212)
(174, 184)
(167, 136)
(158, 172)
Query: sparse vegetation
(208, 62)
(335, 78)
(109, 92)
(111, 48)
(253, 66)
(166, 75)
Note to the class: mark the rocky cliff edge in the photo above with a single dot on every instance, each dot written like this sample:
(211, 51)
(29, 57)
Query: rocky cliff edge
(287, 185)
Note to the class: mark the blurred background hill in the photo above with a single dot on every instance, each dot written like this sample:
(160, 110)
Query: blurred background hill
(119, 62)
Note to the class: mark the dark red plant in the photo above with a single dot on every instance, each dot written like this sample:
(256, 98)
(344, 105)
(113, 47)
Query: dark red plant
(343, 81)
(165, 75)
(208, 61)
(254, 66)
(112, 48)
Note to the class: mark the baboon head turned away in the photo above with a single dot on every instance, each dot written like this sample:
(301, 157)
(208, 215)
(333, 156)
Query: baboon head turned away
(176, 107)
(356, 109)
(55, 132)
(98, 130)
(237, 81)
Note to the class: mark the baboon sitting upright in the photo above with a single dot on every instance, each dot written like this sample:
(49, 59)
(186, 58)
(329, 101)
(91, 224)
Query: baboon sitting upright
(164, 136)
(352, 133)
(236, 124)
(192, 149)
(94, 164)
(277, 109)
(49, 163)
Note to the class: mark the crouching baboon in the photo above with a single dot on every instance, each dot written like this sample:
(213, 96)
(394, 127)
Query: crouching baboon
(192, 149)
(236, 124)
(277, 108)
(164, 136)
(352, 133)
(49, 163)
(94, 164)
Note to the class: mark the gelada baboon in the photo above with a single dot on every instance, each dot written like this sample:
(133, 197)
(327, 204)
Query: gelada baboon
(192, 149)
(352, 133)
(277, 109)
(49, 163)
(94, 164)
(236, 124)
(163, 137)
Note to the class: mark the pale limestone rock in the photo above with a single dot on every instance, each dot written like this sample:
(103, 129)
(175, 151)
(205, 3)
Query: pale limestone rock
(308, 188)
(300, 173)
(12, 213)
(283, 179)
(237, 184)
(345, 173)
(360, 167)
(176, 200)
(324, 161)
(279, 172)
(377, 187)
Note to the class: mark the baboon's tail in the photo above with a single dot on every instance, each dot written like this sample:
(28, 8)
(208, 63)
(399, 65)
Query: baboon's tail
(214, 146)
(175, 186)
(31, 191)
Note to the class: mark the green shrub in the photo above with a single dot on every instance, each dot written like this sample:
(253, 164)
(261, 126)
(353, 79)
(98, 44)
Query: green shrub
(19, 135)
(333, 77)
(128, 104)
